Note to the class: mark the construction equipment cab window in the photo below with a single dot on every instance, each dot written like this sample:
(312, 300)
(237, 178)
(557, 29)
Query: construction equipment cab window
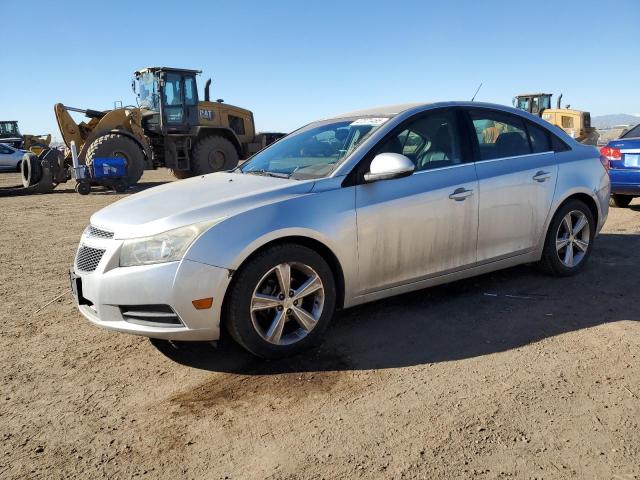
(174, 111)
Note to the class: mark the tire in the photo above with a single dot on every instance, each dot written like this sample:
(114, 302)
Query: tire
(117, 145)
(555, 254)
(180, 174)
(83, 188)
(251, 329)
(213, 154)
(620, 201)
(31, 169)
(120, 186)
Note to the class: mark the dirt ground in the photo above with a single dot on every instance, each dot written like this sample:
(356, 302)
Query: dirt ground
(508, 375)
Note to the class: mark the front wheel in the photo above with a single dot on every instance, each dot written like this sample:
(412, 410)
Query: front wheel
(620, 201)
(281, 301)
(569, 239)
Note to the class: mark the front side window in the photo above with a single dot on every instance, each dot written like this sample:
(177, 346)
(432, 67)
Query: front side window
(313, 151)
(430, 141)
(499, 134)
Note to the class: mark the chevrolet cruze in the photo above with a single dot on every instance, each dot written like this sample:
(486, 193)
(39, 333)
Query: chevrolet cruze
(342, 211)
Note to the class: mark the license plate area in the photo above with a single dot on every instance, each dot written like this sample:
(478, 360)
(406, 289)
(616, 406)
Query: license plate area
(632, 160)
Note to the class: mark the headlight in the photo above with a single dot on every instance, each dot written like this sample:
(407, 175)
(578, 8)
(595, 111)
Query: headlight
(165, 247)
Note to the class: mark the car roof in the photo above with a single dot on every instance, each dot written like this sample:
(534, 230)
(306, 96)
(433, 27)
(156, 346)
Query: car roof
(381, 110)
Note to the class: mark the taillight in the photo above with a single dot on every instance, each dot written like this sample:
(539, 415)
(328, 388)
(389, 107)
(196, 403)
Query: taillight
(611, 153)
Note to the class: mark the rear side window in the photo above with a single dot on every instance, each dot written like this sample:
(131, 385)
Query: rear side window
(499, 134)
(539, 138)
(633, 133)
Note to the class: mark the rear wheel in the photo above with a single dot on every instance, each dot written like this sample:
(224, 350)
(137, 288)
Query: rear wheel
(620, 201)
(119, 146)
(281, 301)
(569, 239)
(213, 154)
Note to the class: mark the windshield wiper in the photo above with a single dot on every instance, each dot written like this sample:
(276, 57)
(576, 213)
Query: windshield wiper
(267, 173)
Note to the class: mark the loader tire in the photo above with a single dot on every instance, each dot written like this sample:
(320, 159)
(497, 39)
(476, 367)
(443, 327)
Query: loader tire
(213, 154)
(180, 174)
(121, 146)
(31, 169)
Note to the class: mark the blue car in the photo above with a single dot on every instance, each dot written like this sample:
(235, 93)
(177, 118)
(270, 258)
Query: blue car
(623, 156)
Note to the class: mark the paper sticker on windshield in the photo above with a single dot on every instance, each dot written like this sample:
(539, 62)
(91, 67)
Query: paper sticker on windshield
(376, 122)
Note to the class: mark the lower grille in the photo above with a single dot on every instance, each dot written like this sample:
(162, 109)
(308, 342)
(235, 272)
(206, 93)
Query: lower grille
(88, 258)
(153, 315)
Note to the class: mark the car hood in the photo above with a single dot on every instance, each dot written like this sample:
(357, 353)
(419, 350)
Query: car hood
(209, 197)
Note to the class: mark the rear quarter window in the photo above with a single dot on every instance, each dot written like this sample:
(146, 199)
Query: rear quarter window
(633, 133)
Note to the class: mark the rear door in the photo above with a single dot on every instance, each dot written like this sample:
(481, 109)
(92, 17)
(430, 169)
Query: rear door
(517, 174)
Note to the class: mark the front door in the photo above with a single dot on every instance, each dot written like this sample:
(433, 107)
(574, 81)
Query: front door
(517, 174)
(425, 224)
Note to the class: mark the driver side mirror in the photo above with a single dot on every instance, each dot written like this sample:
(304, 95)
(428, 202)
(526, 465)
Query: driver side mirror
(385, 166)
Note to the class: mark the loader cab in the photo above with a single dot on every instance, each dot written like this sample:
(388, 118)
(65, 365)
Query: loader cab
(9, 129)
(168, 98)
(534, 103)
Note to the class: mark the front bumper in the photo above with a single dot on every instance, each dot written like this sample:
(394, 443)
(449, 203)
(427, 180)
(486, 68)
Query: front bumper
(175, 284)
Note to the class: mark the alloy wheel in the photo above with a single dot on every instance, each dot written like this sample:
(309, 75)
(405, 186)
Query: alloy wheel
(287, 303)
(572, 239)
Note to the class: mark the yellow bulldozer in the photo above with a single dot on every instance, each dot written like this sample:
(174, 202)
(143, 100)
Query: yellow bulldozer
(171, 127)
(576, 123)
(10, 134)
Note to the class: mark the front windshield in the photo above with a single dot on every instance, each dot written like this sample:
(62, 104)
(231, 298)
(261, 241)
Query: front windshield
(9, 128)
(147, 91)
(313, 151)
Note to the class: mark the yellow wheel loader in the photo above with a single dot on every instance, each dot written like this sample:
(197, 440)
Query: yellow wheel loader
(171, 127)
(575, 122)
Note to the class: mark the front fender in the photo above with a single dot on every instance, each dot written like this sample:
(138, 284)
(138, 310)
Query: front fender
(327, 217)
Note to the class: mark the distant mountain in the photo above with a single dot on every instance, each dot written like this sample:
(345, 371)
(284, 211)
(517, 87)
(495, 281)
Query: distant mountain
(606, 121)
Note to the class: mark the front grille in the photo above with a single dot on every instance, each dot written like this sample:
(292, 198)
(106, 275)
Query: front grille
(98, 232)
(152, 315)
(88, 258)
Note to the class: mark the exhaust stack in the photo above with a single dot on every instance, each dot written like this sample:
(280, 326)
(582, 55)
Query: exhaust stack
(206, 90)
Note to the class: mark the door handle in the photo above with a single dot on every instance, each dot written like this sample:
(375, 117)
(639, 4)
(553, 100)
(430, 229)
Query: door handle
(542, 176)
(459, 194)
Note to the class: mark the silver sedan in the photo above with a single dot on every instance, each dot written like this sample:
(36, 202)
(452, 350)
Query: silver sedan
(343, 211)
(10, 158)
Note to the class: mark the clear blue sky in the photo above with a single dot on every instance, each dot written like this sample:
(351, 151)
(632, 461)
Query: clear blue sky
(292, 62)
